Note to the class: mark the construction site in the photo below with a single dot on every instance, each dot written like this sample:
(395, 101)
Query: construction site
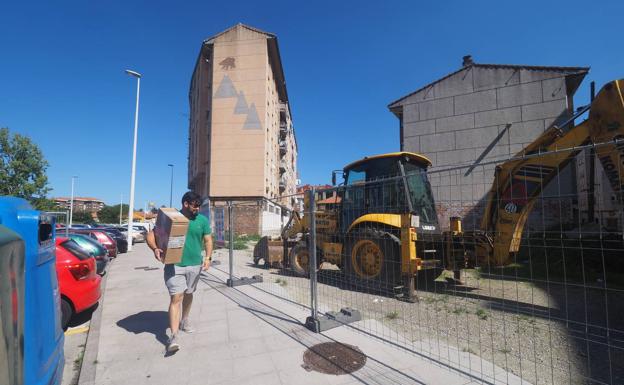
(490, 241)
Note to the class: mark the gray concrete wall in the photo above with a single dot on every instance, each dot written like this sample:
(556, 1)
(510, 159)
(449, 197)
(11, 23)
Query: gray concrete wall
(482, 113)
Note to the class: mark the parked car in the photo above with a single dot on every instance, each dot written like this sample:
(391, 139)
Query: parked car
(139, 233)
(100, 236)
(79, 226)
(78, 279)
(118, 236)
(93, 248)
(124, 232)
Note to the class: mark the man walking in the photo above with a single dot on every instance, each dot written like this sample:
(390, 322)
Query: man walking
(182, 278)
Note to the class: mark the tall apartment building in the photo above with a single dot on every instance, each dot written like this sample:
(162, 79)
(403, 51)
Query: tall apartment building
(242, 144)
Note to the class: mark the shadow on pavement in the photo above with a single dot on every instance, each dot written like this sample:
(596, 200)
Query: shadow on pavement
(154, 322)
(81, 318)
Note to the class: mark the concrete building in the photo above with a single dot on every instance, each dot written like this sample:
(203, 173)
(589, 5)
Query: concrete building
(81, 204)
(484, 113)
(242, 144)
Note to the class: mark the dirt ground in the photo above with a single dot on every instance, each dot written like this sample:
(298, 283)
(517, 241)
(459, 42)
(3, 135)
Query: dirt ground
(546, 332)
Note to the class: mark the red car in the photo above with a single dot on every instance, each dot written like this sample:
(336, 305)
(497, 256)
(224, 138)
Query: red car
(100, 236)
(78, 281)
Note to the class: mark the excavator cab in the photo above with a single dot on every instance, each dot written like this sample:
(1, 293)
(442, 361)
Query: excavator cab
(394, 183)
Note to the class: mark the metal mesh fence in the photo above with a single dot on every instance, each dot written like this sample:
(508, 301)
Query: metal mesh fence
(512, 271)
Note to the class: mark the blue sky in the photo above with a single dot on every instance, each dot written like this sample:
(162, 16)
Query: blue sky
(63, 83)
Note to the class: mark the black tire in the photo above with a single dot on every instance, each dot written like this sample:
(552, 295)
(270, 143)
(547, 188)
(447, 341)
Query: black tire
(387, 273)
(299, 259)
(66, 313)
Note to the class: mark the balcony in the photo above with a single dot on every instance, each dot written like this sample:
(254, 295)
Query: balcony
(282, 185)
(283, 130)
(282, 167)
(283, 147)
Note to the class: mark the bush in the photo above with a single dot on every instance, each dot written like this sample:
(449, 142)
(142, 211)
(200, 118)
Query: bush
(240, 245)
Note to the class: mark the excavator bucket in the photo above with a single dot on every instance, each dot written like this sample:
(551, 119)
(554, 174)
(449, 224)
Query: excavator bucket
(271, 251)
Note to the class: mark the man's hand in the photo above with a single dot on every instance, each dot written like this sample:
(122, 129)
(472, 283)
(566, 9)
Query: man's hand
(206, 264)
(157, 254)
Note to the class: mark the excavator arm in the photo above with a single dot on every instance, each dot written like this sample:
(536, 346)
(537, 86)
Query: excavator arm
(519, 181)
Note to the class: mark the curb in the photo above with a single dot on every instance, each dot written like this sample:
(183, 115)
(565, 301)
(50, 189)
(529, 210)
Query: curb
(89, 359)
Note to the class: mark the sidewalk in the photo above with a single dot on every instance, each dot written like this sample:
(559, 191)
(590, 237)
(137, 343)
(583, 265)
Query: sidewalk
(243, 336)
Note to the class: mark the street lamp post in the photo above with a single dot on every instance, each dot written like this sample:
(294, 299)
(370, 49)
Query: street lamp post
(134, 147)
(71, 202)
(171, 189)
(120, 208)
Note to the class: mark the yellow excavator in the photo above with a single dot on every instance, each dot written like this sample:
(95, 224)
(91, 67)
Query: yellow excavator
(381, 224)
(519, 181)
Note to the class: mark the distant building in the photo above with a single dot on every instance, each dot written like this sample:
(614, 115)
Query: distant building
(81, 204)
(242, 144)
(481, 114)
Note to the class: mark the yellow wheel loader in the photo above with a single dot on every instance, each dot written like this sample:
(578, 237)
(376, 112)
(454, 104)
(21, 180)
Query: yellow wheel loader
(371, 227)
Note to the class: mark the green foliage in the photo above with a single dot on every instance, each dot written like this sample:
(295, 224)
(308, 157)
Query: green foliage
(22, 167)
(82, 217)
(281, 282)
(482, 314)
(392, 315)
(110, 214)
(44, 204)
(240, 245)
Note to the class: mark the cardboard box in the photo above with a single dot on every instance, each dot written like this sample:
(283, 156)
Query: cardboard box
(170, 233)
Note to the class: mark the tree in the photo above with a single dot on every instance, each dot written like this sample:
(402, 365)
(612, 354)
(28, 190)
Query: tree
(82, 217)
(22, 167)
(44, 204)
(110, 214)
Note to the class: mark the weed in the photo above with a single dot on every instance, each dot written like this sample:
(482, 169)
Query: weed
(530, 320)
(281, 282)
(460, 310)
(95, 362)
(504, 351)
(482, 314)
(239, 245)
(78, 361)
(468, 350)
(392, 315)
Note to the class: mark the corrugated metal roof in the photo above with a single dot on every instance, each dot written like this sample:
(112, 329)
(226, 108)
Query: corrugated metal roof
(566, 70)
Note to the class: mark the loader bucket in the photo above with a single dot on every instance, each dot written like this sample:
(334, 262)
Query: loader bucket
(270, 251)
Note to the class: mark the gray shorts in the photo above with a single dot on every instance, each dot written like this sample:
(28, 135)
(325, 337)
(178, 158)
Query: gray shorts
(182, 279)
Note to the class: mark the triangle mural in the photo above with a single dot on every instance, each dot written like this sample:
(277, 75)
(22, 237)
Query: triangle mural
(241, 105)
(252, 122)
(226, 89)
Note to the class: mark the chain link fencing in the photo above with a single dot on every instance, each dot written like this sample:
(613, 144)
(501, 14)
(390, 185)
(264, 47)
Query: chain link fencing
(511, 271)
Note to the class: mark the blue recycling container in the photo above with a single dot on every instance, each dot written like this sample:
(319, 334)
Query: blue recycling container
(43, 355)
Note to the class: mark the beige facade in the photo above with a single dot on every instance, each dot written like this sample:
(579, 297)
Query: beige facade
(242, 143)
(80, 204)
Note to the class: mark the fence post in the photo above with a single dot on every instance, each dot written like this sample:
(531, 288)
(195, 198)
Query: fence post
(230, 281)
(312, 322)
